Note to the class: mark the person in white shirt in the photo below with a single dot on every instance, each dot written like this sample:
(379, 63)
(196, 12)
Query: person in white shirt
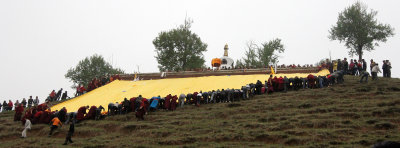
(27, 127)
(375, 71)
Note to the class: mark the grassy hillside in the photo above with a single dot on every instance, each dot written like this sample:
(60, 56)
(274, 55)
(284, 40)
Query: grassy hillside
(347, 115)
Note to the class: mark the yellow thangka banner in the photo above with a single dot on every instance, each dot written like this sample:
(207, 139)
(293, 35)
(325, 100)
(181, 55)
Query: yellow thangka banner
(118, 90)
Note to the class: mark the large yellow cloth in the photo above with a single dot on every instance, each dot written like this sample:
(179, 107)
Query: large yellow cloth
(118, 90)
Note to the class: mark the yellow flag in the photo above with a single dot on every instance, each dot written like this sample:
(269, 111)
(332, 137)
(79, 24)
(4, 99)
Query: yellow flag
(272, 71)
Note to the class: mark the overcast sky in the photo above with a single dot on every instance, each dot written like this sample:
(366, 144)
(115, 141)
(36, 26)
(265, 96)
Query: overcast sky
(40, 40)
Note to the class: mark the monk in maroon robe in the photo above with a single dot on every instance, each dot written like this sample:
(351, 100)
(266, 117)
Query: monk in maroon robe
(132, 103)
(146, 104)
(43, 117)
(311, 81)
(194, 98)
(275, 83)
(36, 117)
(141, 111)
(27, 115)
(18, 112)
(280, 83)
(173, 103)
(50, 115)
(167, 103)
(42, 107)
(92, 113)
(81, 113)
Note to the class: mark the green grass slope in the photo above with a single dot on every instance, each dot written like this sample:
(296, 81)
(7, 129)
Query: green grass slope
(346, 115)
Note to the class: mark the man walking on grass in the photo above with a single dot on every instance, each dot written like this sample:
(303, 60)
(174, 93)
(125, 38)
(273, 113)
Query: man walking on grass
(70, 133)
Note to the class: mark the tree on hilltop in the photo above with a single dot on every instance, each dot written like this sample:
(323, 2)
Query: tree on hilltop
(179, 49)
(91, 67)
(359, 29)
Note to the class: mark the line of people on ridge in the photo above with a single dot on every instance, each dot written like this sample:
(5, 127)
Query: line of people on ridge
(59, 96)
(357, 67)
(10, 105)
(95, 83)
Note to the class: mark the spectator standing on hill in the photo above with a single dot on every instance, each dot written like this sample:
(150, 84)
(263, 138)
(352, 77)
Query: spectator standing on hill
(384, 68)
(330, 65)
(52, 95)
(30, 102)
(345, 66)
(70, 133)
(375, 71)
(36, 101)
(64, 95)
(335, 66)
(5, 106)
(339, 65)
(364, 65)
(27, 127)
(23, 102)
(16, 104)
(389, 67)
(58, 95)
(10, 105)
(351, 68)
(356, 67)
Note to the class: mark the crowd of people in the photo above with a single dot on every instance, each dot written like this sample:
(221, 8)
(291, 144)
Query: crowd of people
(10, 105)
(141, 105)
(96, 83)
(354, 67)
(36, 113)
(59, 96)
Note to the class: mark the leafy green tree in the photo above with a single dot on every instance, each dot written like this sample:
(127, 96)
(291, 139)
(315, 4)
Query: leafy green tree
(179, 49)
(89, 68)
(261, 56)
(359, 29)
(268, 53)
